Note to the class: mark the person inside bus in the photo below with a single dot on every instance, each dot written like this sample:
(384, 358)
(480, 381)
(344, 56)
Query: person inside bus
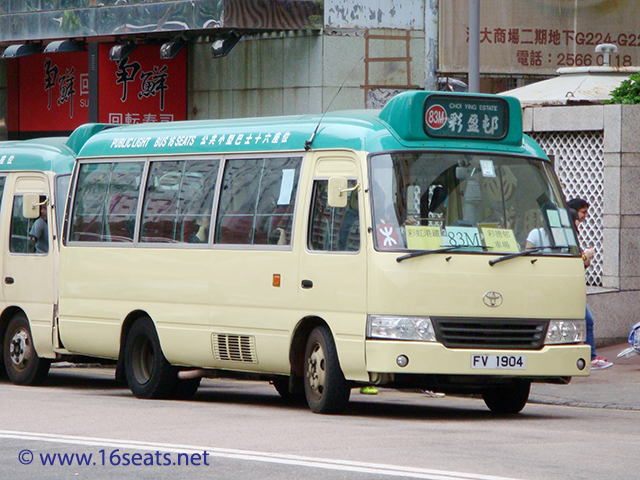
(539, 237)
(200, 232)
(39, 233)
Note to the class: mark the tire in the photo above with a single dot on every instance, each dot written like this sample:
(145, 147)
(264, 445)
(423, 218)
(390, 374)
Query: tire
(281, 384)
(507, 399)
(187, 388)
(149, 375)
(21, 361)
(3, 370)
(325, 387)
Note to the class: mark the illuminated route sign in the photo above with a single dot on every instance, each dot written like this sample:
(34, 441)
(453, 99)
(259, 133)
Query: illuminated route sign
(470, 117)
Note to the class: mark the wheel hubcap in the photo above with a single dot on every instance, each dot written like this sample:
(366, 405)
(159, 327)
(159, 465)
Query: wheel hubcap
(316, 371)
(143, 359)
(19, 348)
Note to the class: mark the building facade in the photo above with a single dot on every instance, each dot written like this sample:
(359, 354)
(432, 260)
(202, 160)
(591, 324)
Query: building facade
(269, 57)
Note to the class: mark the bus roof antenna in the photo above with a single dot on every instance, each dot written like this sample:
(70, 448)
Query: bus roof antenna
(307, 143)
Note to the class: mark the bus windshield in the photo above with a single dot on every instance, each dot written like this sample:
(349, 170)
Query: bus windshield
(468, 202)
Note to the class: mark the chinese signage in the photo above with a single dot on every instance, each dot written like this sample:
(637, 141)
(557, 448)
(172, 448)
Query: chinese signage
(540, 36)
(141, 87)
(466, 117)
(50, 92)
(53, 92)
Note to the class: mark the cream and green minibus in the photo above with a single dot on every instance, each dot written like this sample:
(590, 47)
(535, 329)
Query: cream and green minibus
(34, 183)
(426, 245)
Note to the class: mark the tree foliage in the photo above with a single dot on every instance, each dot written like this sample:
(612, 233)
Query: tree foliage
(628, 92)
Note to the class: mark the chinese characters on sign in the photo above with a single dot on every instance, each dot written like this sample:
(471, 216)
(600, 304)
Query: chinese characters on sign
(142, 88)
(540, 36)
(469, 117)
(64, 84)
(56, 84)
(226, 140)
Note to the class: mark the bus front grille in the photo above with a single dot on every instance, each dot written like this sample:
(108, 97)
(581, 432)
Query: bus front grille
(490, 333)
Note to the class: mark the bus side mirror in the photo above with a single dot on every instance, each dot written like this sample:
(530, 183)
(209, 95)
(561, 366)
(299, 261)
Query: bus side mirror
(338, 194)
(31, 205)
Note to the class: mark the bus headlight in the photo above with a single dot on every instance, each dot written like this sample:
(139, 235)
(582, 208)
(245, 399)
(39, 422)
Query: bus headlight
(400, 328)
(566, 331)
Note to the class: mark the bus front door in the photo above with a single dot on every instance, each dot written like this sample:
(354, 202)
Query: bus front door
(332, 279)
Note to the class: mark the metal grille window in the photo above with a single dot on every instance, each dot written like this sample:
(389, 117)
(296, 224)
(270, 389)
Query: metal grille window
(579, 163)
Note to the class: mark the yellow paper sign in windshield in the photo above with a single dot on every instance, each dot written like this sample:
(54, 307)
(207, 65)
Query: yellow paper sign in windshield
(423, 238)
(500, 240)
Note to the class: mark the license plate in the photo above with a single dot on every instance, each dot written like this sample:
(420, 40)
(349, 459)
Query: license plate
(499, 362)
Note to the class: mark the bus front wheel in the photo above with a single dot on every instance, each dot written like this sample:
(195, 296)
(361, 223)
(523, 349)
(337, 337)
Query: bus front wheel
(507, 399)
(149, 374)
(325, 387)
(21, 361)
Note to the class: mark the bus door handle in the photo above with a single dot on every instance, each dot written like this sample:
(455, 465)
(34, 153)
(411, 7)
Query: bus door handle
(306, 284)
(8, 280)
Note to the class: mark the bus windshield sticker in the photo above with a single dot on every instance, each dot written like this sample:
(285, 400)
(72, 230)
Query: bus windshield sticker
(488, 169)
(564, 217)
(568, 231)
(554, 218)
(286, 187)
(387, 236)
(462, 237)
(423, 237)
(500, 239)
(559, 237)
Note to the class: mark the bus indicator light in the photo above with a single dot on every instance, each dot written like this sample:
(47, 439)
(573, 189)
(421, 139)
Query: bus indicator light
(276, 280)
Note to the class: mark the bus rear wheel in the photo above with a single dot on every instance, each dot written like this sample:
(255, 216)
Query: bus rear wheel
(507, 399)
(149, 374)
(21, 361)
(325, 387)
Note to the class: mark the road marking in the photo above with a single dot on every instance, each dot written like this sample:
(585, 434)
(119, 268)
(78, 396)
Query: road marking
(295, 460)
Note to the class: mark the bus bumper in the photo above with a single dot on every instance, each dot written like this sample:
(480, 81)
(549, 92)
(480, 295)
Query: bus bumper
(394, 357)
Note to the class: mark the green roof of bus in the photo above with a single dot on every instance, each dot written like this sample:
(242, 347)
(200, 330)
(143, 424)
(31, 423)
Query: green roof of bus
(365, 130)
(55, 154)
(42, 154)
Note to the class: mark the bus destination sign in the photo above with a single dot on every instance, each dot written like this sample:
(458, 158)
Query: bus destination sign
(473, 117)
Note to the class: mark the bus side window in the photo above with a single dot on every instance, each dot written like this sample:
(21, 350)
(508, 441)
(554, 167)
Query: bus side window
(105, 203)
(178, 201)
(334, 229)
(257, 201)
(27, 235)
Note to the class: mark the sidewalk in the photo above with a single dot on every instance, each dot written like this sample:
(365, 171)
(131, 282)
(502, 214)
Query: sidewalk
(615, 387)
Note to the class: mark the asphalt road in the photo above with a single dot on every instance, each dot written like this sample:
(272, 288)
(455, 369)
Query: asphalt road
(244, 430)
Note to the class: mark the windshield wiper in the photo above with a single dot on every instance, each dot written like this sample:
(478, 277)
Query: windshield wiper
(523, 253)
(421, 253)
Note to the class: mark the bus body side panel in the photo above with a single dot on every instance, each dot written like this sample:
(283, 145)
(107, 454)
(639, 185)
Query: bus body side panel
(200, 300)
(102, 285)
(203, 301)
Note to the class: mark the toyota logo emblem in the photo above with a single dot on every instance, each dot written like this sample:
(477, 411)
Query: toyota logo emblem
(492, 299)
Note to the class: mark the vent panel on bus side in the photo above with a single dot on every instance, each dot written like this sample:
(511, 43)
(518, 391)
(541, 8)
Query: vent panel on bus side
(234, 348)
